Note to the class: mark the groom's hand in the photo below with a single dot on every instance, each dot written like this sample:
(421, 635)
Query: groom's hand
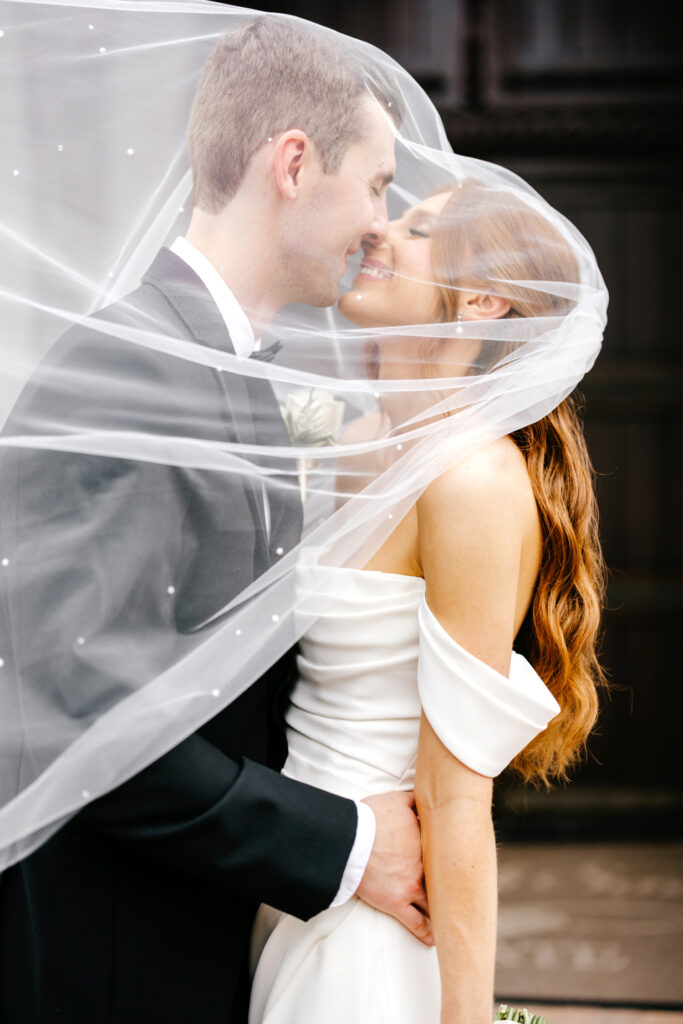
(394, 880)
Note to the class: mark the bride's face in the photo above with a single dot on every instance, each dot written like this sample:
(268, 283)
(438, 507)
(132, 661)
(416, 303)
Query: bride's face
(395, 285)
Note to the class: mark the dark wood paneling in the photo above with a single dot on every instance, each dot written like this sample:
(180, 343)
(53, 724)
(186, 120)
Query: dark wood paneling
(560, 51)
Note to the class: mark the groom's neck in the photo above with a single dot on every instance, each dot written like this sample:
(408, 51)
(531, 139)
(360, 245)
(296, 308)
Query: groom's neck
(234, 243)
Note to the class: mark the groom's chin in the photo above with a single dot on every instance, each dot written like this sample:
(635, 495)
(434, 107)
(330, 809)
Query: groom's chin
(324, 296)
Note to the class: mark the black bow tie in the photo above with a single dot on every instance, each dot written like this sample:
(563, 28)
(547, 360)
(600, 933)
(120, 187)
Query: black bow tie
(267, 354)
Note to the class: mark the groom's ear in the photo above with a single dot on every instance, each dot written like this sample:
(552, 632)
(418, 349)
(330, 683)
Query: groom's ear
(291, 151)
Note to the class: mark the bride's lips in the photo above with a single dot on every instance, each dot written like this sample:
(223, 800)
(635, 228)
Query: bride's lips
(373, 270)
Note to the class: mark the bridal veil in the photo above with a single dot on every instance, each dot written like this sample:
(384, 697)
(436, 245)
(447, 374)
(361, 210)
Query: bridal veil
(95, 99)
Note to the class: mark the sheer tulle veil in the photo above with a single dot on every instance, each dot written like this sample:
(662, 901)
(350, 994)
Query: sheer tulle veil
(95, 100)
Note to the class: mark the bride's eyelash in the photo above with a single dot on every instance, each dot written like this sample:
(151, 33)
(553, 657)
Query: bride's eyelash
(417, 232)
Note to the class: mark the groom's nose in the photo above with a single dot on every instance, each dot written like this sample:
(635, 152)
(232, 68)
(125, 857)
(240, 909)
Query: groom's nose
(377, 233)
(378, 228)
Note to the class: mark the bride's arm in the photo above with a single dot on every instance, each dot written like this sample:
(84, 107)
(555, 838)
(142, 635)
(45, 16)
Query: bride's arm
(474, 528)
(459, 856)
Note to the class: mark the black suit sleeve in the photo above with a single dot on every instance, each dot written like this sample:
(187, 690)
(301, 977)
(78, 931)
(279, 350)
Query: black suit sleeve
(72, 517)
(238, 823)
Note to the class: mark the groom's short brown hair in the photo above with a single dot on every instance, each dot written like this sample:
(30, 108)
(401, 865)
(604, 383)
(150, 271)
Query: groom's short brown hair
(266, 77)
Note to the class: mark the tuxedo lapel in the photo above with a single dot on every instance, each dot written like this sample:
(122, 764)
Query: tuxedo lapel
(192, 302)
(284, 498)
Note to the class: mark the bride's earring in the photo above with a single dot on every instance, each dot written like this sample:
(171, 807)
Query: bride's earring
(458, 329)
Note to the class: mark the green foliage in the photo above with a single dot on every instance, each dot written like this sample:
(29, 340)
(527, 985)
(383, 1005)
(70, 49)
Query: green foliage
(522, 1016)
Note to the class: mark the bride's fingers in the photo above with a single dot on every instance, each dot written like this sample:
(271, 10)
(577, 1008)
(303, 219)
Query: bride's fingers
(415, 921)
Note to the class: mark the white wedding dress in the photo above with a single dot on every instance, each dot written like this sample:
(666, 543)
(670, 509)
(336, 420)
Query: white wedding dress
(373, 659)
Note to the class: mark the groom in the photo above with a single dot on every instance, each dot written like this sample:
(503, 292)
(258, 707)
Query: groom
(139, 909)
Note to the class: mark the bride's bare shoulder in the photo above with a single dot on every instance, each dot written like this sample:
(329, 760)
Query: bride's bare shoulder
(480, 543)
(491, 482)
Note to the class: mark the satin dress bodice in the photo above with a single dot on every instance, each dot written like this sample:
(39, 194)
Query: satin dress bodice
(354, 716)
(372, 659)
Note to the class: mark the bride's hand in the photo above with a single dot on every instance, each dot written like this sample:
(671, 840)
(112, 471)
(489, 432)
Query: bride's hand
(394, 880)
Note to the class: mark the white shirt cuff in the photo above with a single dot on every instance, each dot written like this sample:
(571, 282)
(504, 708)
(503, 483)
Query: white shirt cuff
(359, 856)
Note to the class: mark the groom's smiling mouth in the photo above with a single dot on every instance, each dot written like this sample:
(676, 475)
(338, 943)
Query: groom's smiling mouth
(374, 270)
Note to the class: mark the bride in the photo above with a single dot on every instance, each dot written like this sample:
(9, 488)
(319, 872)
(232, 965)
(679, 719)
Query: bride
(414, 674)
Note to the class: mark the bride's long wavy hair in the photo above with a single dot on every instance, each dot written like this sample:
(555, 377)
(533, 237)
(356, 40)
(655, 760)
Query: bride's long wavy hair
(561, 631)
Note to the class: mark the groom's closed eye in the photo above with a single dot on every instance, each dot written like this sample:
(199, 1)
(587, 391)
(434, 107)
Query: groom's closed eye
(380, 183)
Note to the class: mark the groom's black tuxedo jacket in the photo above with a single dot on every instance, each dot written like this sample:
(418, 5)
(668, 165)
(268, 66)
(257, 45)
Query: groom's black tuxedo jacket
(139, 908)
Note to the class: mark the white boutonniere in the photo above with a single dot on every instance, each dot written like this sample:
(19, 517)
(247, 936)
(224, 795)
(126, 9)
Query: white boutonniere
(313, 419)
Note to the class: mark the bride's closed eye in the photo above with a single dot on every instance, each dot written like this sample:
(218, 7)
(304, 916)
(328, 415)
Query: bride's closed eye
(418, 232)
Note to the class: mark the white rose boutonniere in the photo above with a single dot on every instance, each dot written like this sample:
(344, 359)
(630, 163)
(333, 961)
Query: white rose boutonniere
(313, 419)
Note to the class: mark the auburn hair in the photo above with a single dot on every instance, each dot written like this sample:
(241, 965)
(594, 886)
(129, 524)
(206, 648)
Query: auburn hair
(482, 245)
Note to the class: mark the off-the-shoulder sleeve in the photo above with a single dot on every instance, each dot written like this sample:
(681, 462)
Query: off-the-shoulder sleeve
(482, 717)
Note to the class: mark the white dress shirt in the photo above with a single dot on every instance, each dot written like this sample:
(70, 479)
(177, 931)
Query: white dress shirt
(244, 342)
(240, 330)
